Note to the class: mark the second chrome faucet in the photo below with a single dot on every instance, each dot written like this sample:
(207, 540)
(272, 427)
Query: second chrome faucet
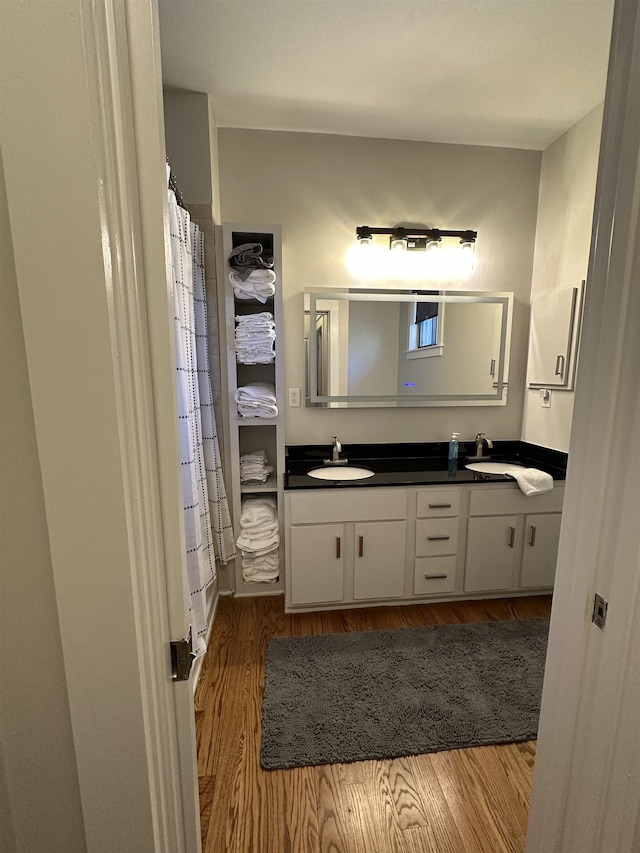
(481, 440)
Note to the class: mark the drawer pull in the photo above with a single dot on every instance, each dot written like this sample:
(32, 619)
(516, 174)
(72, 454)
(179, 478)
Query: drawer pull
(436, 538)
(439, 506)
(532, 537)
(338, 543)
(492, 368)
(559, 365)
(439, 577)
(512, 536)
(360, 546)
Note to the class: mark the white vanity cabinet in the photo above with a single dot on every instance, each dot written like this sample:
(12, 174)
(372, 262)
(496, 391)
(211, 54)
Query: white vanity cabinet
(437, 541)
(512, 540)
(540, 550)
(317, 553)
(379, 559)
(350, 547)
(492, 553)
(553, 342)
(345, 546)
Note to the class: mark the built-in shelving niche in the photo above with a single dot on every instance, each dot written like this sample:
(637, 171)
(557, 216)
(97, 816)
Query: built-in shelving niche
(243, 435)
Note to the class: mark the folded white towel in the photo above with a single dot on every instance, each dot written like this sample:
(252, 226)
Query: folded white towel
(532, 481)
(257, 319)
(253, 549)
(259, 285)
(262, 569)
(254, 467)
(256, 401)
(263, 391)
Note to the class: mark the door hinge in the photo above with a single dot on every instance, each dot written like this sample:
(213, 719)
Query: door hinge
(599, 615)
(181, 658)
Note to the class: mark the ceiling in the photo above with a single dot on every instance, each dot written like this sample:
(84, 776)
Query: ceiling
(508, 73)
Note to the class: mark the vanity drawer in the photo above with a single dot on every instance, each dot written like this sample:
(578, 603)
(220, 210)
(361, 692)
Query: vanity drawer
(434, 575)
(436, 536)
(437, 504)
(348, 505)
(489, 501)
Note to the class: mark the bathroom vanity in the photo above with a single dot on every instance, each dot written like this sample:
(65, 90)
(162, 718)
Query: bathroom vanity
(409, 533)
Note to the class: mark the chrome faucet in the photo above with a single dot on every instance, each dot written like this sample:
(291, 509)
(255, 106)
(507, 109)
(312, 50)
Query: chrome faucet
(336, 447)
(481, 438)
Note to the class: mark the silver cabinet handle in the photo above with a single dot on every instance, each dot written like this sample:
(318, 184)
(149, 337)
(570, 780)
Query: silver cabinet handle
(559, 365)
(512, 536)
(436, 538)
(439, 506)
(338, 543)
(360, 546)
(532, 537)
(492, 368)
(435, 577)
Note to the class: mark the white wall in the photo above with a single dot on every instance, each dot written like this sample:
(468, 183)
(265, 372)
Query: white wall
(320, 187)
(470, 343)
(40, 798)
(563, 235)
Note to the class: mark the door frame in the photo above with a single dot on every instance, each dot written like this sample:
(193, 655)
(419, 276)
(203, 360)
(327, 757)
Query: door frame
(83, 151)
(587, 775)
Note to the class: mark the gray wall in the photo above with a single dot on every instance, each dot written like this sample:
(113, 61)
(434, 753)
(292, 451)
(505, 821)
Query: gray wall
(563, 238)
(39, 796)
(320, 187)
(186, 129)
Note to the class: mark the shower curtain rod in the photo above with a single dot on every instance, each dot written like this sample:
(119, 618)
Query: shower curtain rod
(174, 186)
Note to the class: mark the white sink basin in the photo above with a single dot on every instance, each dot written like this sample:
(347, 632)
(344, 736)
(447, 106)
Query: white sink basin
(341, 472)
(494, 467)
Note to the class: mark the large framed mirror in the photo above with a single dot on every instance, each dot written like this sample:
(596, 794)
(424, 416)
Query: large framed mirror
(402, 348)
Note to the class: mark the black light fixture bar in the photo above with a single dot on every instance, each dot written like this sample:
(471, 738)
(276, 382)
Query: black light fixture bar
(366, 231)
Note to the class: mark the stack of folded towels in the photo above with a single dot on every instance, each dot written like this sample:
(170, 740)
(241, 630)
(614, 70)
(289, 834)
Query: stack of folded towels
(254, 467)
(256, 401)
(259, 539)
(252, 275)
(255, 338)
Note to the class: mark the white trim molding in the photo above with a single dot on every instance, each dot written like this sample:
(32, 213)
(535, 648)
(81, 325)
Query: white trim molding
(81, 135)
(587, 779)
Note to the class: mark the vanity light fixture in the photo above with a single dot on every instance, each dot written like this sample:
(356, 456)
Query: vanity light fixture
(398, 240)
(417, 238)
(416, 253)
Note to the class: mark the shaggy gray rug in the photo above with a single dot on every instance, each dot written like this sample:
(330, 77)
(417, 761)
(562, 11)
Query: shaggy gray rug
(382, 694)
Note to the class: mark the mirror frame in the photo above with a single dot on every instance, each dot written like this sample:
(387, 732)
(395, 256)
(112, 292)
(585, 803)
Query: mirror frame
(355, 294)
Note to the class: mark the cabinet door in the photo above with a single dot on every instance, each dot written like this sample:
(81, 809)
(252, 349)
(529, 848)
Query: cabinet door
(380, 548)
(493, 546)
(554, 329)
(541, 535)
(317, 563)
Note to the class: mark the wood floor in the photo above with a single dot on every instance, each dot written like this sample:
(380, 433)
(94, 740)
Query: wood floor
(462, 801)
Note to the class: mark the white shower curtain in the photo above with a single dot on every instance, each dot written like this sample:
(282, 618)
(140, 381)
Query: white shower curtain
(207, 522)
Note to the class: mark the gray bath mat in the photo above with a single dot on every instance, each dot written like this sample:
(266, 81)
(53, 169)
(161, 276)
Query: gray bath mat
(382, 694)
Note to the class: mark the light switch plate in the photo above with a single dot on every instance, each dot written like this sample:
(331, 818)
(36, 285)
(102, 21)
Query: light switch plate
(545, 398)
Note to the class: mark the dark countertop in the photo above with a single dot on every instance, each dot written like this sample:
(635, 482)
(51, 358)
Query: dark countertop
(416, 464)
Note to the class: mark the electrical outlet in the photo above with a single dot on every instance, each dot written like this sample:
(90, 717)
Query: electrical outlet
(294, 397)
